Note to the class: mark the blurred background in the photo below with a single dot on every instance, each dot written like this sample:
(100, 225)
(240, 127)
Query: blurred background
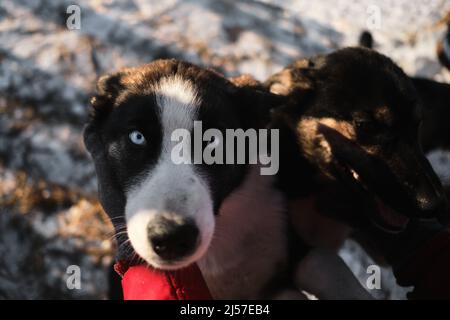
(49, 216)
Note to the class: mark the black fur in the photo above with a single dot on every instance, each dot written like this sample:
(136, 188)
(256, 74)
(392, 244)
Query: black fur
(435, 98)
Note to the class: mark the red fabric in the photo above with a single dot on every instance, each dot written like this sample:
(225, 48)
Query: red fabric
(429, 270)
(144, 283)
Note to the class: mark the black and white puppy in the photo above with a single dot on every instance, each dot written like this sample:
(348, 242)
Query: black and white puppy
(227, 218)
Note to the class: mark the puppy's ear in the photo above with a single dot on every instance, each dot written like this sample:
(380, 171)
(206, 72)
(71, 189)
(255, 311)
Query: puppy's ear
(108, 88)
(255, 101)
(101, 104)
(297, 77)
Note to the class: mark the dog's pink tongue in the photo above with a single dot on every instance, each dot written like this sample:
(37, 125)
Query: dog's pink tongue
(391, 217)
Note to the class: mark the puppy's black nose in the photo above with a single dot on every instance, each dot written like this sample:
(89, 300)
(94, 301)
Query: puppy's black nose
(171, 239)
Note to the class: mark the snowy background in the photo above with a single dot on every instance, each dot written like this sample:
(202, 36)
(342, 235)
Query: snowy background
(49, 218)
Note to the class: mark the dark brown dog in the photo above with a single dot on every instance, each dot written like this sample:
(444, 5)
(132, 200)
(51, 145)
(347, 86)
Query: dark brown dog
(349, 134)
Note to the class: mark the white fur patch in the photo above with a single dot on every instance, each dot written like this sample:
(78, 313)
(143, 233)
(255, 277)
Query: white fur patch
(170, 189)
(178, 105)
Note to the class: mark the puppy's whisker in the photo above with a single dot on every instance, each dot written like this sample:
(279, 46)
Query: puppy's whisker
(117, 231)
(118, 234)
(117, 217)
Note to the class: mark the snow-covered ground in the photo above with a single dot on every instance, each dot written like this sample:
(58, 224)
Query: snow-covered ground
(49, 218)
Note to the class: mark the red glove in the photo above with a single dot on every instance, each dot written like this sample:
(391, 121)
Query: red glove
(145, 283)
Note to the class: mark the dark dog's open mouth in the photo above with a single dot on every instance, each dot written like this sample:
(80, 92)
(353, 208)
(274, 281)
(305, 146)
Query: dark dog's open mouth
(390, 220)
(380, 213)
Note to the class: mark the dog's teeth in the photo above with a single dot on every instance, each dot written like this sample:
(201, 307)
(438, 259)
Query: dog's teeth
(355, 175)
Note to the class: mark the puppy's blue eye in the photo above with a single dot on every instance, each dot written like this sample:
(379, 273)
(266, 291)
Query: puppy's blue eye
(137, 137)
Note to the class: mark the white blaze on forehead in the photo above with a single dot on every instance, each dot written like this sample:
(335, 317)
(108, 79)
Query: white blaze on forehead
(169, 189)
(178, 104)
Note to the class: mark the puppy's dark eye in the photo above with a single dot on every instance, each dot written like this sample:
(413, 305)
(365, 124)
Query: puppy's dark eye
(136, 137)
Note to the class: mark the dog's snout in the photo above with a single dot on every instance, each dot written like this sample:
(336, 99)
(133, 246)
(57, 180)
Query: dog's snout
(430, 202)
(171, 239)
(422, 187)
(428, 205)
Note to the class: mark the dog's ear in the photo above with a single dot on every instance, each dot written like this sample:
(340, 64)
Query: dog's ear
(108, 88)
(297, 77)
(255, 101)
(101, 104)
